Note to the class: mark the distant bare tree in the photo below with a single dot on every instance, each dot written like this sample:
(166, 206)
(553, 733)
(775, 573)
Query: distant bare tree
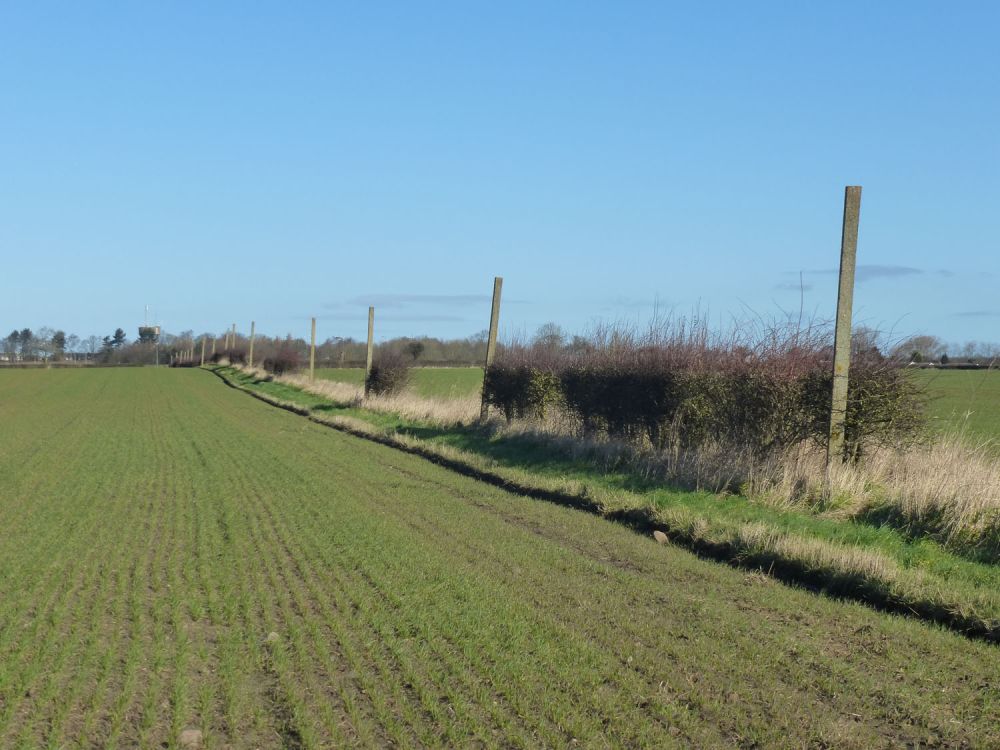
(549, 336)
(919, 349)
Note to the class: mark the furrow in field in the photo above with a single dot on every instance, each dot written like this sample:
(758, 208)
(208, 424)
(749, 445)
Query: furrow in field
(307, 577)
(438, 623)
(314, 596)
(334, 567)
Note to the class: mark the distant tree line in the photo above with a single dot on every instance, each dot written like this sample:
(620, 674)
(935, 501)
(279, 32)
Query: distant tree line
(55, 345)
(338, 351)
(52, 345)
(926, 350)
(47, 345)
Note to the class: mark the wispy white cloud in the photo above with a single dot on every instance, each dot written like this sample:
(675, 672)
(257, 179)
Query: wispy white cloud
(977, 314)
(871, 271)
(403, 300)
(416, 317)
(793, 286)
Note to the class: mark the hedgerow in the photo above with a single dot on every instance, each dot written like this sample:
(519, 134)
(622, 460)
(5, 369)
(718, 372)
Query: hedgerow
(684, 388)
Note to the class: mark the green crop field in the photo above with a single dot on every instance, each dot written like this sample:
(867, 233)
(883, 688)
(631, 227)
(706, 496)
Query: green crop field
(431, 382)
(966, 399)
(178, 556)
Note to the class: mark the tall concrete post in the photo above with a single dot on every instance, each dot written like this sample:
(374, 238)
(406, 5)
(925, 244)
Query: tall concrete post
(371, 347)
(253, 331)
(312, 351)
(232, 338)
(842, 333)
(491, 342)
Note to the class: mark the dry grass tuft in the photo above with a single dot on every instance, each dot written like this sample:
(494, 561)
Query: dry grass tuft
(817, 554)
(948, 490)
(443, 412)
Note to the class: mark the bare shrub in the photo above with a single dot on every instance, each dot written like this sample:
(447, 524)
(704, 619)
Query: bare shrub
(284, 360)
(390, 373)
(233, 356)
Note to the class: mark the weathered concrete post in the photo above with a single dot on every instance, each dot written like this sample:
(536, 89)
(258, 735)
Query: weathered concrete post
(312, 351)
(232, 338)
(491, 342)
(202, 351)
(253, 331)
(371, 345)
(842, 332)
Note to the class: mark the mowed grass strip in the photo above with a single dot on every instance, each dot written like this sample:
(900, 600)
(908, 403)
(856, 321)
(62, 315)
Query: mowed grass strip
(177, 556)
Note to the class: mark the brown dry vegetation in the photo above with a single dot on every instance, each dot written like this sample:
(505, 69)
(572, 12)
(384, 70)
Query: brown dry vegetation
(444, 412)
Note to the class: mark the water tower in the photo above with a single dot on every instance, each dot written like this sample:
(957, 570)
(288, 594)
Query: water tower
(150, 334)
(147, 333)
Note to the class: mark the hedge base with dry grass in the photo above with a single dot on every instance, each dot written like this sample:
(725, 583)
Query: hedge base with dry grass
(231, 356)
(680, 389)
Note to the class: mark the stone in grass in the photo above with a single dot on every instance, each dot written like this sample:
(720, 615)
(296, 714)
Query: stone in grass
(660, 537)
(272, 637)
(190, 739)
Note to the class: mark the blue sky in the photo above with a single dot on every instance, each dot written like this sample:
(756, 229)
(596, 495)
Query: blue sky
(233, 161)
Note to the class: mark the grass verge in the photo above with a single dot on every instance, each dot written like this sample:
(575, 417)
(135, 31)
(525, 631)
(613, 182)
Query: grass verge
(874, 564)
